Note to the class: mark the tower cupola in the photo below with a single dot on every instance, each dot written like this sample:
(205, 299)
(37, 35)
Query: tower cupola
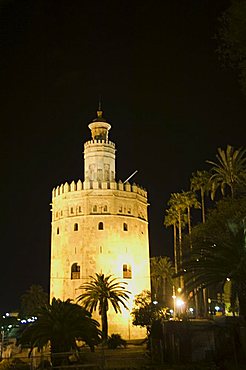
(99, 127)
(99, 153)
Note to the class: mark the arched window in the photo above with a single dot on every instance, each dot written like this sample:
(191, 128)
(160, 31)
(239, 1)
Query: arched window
(105, 208)
(100, 226)
(127, 271)
(75, 271)
(125, 227)
(76, 227)
(58, 231)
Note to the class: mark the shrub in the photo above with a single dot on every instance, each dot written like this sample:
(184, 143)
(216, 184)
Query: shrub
(115, 341)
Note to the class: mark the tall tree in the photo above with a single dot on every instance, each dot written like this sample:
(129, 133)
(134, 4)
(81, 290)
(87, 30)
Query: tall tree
(190, 201)
(161, 272)
(200, 182)
(171, 219)
(229, 171)
(219, 250)
(61, 324)
(101, 291)
(231, 38)
(31, 301)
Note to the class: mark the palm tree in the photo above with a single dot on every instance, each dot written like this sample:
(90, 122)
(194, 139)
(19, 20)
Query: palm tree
(200, 182)
(176, 203)
(229, 171)
(31, 301)
(60, 325)
(219, 251)
(171, 219)
(101, 291)
(161, 271)
(190, 201)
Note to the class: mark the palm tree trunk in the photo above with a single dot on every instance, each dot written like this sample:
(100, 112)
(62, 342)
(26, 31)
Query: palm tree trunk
(104, 323)
(189, 226)
(203, 206)
(175, 248)
(180, 250)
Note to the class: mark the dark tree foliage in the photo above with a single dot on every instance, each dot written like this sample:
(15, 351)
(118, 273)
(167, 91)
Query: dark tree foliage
(231, 37)
(31, 301)
(219, 251)
(145, 312)
(61, 324)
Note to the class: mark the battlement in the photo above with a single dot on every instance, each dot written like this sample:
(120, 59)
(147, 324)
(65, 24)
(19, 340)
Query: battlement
(93, 142)
(96, 185)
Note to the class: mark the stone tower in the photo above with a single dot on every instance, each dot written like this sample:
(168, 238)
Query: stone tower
(100, 226)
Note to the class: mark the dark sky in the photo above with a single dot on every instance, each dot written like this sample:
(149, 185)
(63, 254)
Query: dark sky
(170, 104)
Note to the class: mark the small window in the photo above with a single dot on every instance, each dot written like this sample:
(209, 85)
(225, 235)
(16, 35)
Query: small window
(71, 210)
(76, 227)
(58, 231)
(100, 226)
(80, 209)
(100, 249)
(125, 227)
(75, 271)
(127, 271)
(105, 208)
(61, 213)
(129, 210)
(94, 208)
(120, 209)
(57, 214)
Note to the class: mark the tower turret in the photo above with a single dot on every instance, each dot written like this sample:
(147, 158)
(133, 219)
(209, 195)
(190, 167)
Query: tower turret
(99, 153)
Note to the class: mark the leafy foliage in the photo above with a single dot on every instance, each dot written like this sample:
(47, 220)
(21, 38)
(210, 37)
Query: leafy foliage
(115, 341)
(101, 291)
(145, 312)
(229, 171)
(31, 301)
(219, 251)
(231, 37)
(161, 272)
(61, 324)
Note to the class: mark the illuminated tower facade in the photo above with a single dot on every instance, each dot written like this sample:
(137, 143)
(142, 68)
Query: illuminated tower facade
(100, 225)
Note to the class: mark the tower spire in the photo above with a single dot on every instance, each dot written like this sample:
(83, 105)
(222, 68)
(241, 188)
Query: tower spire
(99, 111)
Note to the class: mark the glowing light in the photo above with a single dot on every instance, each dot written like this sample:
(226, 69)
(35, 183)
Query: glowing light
(171, 311)
(155, 302)
(217, 308)
(228, 279)
(179, 302)
(7, 314)
(179, 290)
(191, 309)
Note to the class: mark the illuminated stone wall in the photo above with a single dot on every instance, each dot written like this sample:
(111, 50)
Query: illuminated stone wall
(100, 227)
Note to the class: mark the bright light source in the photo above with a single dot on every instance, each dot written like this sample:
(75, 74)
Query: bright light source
(217, 308)
(228, 279)
(179, 290)
(174, 296)
(7, 314)
(191, 309)
(155, 302)
(171, 311)
(179, 302)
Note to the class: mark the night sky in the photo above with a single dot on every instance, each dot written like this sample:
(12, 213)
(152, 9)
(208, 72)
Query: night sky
(169, 102)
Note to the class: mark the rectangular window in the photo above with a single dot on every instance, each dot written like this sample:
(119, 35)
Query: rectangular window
(127, 271)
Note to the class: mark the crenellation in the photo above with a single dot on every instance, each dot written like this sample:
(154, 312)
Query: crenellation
(66, 187)
(79, 185)
(97, 185)
(73, 186)
(127, 186)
